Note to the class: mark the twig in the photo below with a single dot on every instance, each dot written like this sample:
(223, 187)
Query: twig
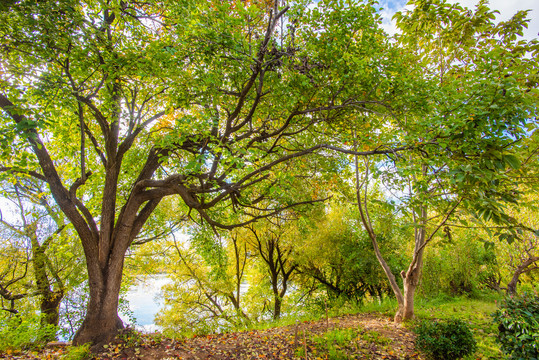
(305, 344)
(327, 317)
(296, 336)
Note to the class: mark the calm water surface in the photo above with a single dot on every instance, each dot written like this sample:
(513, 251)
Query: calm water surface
(145, 301)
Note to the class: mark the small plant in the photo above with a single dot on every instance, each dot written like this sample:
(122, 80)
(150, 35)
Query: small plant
(18, 333)
(335, 342)
(77, 353)
(518, 324)
(444, 340)
(375, 337)
(130, 337)
(340, 337)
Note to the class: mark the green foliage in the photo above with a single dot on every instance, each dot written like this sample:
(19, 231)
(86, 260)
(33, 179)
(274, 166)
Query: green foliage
(374, 337)
(518, 325)
(224, 108)
(339, 259)
(445, 340)
(77, 353)
(335, 341)
(457, 265)
(23, 333)
(476, 312)
(338, 343)
(203, 297)
(131, 338)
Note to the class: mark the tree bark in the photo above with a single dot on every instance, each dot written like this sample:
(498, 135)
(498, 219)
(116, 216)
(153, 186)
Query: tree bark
(277, 307)
(412, 276)
(50, 310)
(102, 322)
(49, 299)
(406, 308)
(522, 268)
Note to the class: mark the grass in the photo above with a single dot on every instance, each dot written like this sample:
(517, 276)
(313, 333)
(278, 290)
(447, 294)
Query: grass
(333, 343)
(476, 312)
(338, 344)
(77, 353)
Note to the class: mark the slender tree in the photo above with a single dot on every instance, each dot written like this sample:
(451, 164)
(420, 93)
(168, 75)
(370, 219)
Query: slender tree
(480, 103)
(273, 242)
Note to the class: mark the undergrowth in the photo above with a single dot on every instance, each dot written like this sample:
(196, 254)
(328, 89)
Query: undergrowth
(475, 312)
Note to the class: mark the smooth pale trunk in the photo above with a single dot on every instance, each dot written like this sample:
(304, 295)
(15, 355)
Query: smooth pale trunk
(406, 309)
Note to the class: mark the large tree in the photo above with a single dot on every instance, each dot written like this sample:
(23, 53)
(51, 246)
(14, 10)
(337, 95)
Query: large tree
(117, 105)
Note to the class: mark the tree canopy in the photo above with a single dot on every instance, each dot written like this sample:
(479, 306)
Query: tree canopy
(220, 113)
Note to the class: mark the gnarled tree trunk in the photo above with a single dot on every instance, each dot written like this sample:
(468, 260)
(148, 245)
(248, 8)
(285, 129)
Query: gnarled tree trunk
(524, 267)
(102, 322)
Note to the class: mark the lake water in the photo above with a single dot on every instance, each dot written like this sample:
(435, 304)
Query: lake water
(145, 301)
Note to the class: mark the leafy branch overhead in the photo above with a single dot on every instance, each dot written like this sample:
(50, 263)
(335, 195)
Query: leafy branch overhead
(205, 102)
(222, 111)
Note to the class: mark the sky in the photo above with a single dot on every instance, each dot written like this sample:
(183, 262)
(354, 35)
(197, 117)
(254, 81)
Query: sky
(507, 9)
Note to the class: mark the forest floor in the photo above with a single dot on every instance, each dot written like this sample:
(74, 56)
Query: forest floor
(361, 336)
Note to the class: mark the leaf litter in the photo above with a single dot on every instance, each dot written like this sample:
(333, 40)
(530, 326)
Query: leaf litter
(375, 337)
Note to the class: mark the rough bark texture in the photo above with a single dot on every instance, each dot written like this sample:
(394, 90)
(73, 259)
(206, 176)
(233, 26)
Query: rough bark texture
(406, 309)
(49, 299)
(102, 322)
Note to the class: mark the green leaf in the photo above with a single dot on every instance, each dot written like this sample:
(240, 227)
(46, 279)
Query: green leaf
(513, 161)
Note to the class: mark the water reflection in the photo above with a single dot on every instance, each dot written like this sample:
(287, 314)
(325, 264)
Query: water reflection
(145, 301)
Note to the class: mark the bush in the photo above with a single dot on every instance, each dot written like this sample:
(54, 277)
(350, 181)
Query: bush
(445, 340)
(23, 333)
(518, 324)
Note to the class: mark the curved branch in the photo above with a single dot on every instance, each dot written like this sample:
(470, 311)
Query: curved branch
(60, 193)
(34, 174)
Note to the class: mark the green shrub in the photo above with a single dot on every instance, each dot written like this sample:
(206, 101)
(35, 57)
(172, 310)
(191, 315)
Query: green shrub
(18, 333)
(444, 340)
(518, 324)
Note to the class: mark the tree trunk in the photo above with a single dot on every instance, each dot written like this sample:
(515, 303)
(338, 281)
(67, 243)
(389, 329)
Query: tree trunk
(512, 285)
(50, 310)
(277, 307)
(522, 268)
(49, 300)
(411, 277)
(102, 322)
(406, 308)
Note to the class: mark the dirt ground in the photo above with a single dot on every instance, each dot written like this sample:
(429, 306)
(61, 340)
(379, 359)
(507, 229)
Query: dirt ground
(373, 337)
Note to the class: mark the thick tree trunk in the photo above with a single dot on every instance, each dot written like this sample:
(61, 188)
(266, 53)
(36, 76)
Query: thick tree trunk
(102, 322)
